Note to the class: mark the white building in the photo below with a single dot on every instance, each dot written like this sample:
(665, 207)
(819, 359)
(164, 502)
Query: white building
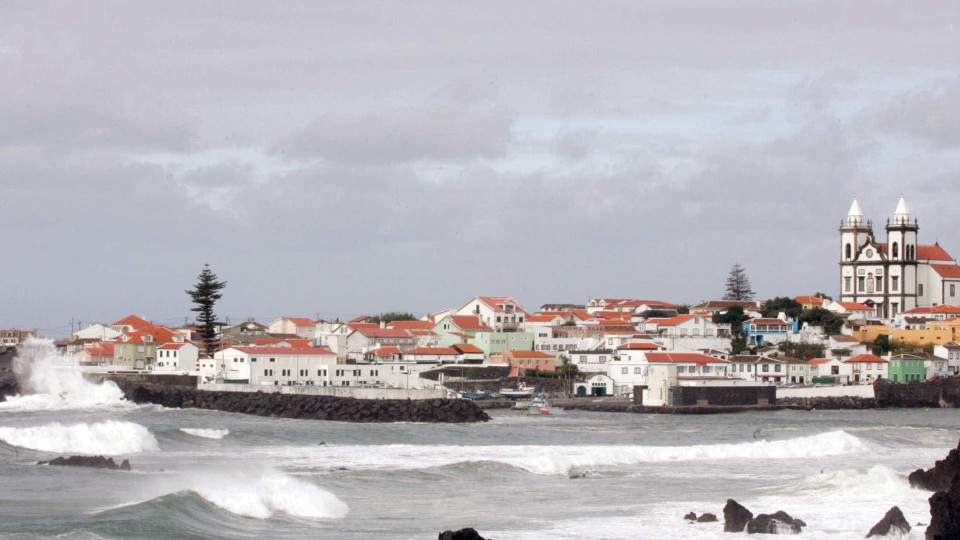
(497, 312)
(898, 275)
(950, 352)
(277, 365)
(300, 326)
(96, 331)
(177, 358)
(861, 369)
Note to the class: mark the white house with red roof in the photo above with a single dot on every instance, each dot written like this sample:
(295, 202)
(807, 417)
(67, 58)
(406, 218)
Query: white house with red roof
(497, 312)
(130, 323)
(860, 369)
(177, 358)
(364, 339)
(301, 326)
(277, 365)
(626, 305)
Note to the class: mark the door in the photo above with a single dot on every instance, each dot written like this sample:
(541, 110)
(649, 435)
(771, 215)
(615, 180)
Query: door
(670, 397)
(582, 391)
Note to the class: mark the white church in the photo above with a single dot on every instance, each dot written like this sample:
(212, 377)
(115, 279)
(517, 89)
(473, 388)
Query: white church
(899, 274)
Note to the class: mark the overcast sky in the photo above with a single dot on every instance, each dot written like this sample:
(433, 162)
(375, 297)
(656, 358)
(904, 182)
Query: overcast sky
(357, 157)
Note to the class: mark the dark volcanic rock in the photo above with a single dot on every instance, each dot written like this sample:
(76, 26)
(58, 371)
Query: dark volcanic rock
(707, 518)
(892, 523)
(315, 407)
(940, 476)
(95, 462)
(735, 517)
(945, 513)
(9, 386)
(690, 516)
(776, 523)
(462, 534)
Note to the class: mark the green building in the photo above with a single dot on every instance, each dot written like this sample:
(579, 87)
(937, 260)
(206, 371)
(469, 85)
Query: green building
(907, 368)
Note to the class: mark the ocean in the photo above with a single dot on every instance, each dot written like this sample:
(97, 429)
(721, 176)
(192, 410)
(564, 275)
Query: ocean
(573, 474)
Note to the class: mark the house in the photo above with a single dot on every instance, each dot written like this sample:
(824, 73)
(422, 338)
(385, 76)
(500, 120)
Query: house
(854, 311)
(95, 354)
(382, 354)
(798, 371)
(520, 361)
(758, 368)
(243, 333)
(177, 358)
(458, 328)
(598, 385)
(131, 323)
(93, 332)
(860, 369)
(439, 355)
(719, 306)
(626, 305)
(498, 312)
(843, 346)
(907, 368)
(138, 348)
(592, 361)
(277, 365)
(300, 326)
(690, 365)
(12, 337)
(809, 302)
(950, 352)
(363, 339)
(763, 331)
(469, 354)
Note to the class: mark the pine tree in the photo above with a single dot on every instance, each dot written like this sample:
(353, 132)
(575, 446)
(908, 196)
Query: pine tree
(738, 284)
(205, 294)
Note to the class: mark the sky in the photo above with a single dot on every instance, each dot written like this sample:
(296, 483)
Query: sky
(345, 158)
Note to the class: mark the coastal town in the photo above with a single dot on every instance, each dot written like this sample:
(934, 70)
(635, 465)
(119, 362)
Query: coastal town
(896, 319)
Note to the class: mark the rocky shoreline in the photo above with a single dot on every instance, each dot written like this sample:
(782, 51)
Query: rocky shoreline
(314, 407)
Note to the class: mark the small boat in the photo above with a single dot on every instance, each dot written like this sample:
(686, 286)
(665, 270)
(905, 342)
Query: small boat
(521, 392)
(539, 405)
(475, 395)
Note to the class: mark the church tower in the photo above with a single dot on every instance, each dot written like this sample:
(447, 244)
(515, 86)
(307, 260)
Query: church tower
(902, 257)
(854, 233)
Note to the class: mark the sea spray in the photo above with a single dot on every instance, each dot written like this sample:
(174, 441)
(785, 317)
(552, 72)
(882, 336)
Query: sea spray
(206, 433)
(49, 380)
(109, 438)
(269, 493)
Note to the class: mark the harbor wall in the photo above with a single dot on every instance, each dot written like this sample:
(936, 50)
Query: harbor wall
(686, 396)
(859, 391)
(336, 391)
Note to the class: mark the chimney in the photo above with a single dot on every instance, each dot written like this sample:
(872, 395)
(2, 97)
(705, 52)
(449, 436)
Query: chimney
(383, 324)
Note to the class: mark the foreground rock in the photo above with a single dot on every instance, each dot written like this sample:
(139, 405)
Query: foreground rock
(707, 518)
(735, 517)
(691, 516)
(776, 523)
(8, 384)
(95, 462)
(892, 523)
(462, 534)
(940, 476)
(314, 407)
(945, 513)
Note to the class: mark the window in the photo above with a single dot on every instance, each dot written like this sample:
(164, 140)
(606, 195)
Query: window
(846, 283)
(273, 359)
(682, 369)
(920, 289)
(636, 371)
(706, 369)
(953, 290)
(896, 250)
(895, 283)
(849, 252)
(879, 284)
(766, 368)
(603, 359)
(777, 368)
(625, 371)
(893, 309)
(861, 283)
(252, 360)
(583, 359)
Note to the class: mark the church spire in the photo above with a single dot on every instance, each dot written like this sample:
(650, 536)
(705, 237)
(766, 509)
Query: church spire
(855, 216)
(902, 214)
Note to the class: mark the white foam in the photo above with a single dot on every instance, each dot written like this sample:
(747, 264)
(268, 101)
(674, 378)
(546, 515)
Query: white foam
(270, 493)
(109, 438)
(206, 433)
(50, 380)
(551, 460)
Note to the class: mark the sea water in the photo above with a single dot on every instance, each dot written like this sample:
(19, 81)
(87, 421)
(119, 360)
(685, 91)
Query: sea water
(207, 474)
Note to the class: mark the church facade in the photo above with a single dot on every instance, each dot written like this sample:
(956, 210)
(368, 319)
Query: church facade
(897, 275)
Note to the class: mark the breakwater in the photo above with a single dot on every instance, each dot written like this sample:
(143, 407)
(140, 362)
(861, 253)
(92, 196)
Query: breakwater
(313, 407)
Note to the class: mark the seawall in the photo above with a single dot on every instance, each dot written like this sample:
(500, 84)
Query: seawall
(944, 393)
(335, 391)
(313, 407)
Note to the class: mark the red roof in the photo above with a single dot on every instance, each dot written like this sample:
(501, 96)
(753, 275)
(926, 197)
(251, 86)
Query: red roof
(467, 348)
(378, 332)
(360, 319)
(159, 334)
(768, 322)
(359, 325)
(494, 301)
(385, 351)
(300, 321)
(280, 351)
(943, 308)
(104, 348)
(641, 346)
(673, 321)
(174, 346)
(818, 361)
(866, 359)
(948, 271)
(132, 320)
(468, 322)
(265, 341)
(932, 253)
(443, 351)
(411, 325)
(542, 318)
(530, 354)
(808, 299)
(683, 358)
(298, 342)
(854, 306)
(844, 339)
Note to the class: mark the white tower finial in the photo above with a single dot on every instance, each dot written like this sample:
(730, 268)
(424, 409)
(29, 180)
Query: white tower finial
(855, 216)
(902, 214)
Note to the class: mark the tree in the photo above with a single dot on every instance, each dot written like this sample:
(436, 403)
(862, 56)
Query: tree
(683, 309)
(205, 294)
(821, 317)
(738, 284)
(734, 317)
(391, 316)
(789, 306)
(803, 351)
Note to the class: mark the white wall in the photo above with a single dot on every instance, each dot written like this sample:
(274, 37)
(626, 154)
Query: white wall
(862, 391)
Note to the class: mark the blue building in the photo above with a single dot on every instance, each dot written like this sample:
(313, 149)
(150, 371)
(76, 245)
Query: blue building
(768, 331)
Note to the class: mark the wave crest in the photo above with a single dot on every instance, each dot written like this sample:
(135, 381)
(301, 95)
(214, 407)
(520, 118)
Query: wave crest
(108, 438)
(206, 433)
(271, 493)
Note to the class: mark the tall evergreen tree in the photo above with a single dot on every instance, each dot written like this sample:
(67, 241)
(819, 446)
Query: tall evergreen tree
(205, 294)
(738, 284)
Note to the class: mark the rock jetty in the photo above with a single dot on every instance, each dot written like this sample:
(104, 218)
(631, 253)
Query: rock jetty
(9, 386)
(314, 407)
(462, 534)
(945, 513)
(94, 462)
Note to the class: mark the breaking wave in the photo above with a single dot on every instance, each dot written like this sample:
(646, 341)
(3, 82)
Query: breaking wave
(206, 433)
(270, 493)
(552, 460)
(49, 380)
(109, 438)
